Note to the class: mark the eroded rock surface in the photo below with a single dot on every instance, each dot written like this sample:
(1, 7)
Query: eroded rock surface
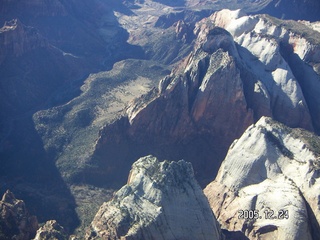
(161, 200)
(51, 230)
(15, 220)
(268, 47)
(241, 68)
(270, 169)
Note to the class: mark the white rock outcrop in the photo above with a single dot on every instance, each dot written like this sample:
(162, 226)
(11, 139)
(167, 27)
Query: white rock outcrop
(262, 45)
(268, 185)
(161, 200)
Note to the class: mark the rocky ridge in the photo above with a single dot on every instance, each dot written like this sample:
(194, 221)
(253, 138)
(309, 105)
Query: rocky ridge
(270, 169)
(161, 200)
(19, 44)
(16, 39)
(228, 82)
(267, 46)
(86, 35)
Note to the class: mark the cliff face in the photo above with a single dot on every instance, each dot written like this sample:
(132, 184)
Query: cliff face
(272, 171)
(194, 98)
(284, 56)
(241, 68)
(17, 39)
(228, 82)
(192, 102)
(29, 63)
(161, 200)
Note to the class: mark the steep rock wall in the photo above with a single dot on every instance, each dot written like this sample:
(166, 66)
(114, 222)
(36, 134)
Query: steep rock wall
(271, 169)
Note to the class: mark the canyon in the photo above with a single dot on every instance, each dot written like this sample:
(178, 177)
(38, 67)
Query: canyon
(231, 87)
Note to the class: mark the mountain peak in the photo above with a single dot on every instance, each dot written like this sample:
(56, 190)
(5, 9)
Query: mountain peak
(161, 200)
(17, 39)
(270, 159)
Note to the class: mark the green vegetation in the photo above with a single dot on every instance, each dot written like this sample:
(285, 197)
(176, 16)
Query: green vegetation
(297, 28)
(88, 199)
(311, 140)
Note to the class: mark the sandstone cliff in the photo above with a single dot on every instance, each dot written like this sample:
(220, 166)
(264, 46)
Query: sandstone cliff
(161, 200)
(268, 184)
(241, 68)
(263, 67)
(285, 57)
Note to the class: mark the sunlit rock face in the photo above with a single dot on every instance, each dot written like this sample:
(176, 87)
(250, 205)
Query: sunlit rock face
(195, 114)
(271, 173)
(267, 46)
(242, 67)
(201, 95)
(161, 200)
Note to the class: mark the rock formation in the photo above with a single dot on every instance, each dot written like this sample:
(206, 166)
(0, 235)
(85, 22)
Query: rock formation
(228, 82)
(241, 67)
(161, 200)
(15, 221)
(284, 56)
(17, 39)
(51, 230)
(268, 185)
(28, 62)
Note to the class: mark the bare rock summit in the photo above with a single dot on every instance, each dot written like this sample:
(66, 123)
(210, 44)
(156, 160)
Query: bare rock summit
(51, 230)
(161, 200)
(268, 185)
